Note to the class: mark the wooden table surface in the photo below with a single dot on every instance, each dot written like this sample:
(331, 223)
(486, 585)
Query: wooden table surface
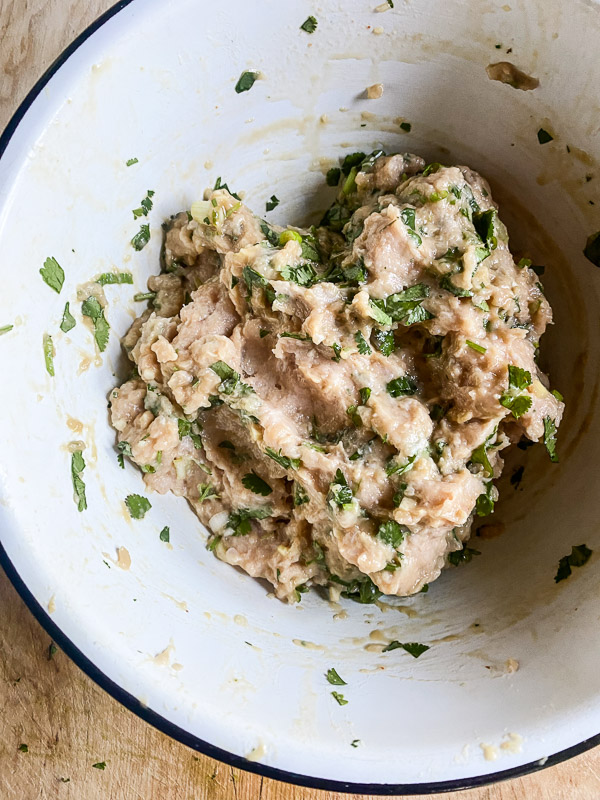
(69, 724)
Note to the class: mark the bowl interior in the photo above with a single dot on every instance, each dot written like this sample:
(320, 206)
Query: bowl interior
(196, 641)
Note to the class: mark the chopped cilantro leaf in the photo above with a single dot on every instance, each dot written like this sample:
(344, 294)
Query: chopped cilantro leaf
(544, 137)
(408, 218)
(394, 468)
(462, 556)
(283, 461)
(550, 438)
(457, 291)
(131, 161)
(354, 742)
(165, 534)
(300, 495)
(309, 25)
(383, 341)
(402, 386)
(362, 344)
(99, 765)
(246, 81)
(517, 405)
(239, 521)
(480, 456)
(22, 748)
(392, 533)
(580, 555)
(339, 492)
(77, 467)
(7, 328)
(142, 237)
(303, 275)
(256, 484)
(53, 274)
(484, 224)
(91, 308)
(252, 279)
(68, 320)
(272, 203)
(337, 352)
(414, 648)
(518, 378)
(485, 504)
(378, 313)
(48, 354)
(361, 591)
(138, 506)
(125, 448)
(334, 678)
(206, 492)
(341, 700)
(121, 460)
(364, 393)
(406, 126)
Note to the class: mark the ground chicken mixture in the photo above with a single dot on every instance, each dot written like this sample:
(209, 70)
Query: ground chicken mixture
(333, 402)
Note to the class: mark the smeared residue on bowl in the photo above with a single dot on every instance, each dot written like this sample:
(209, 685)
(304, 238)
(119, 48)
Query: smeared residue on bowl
(505, 72)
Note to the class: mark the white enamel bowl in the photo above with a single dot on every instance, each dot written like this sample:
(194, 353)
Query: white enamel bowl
(154, 79)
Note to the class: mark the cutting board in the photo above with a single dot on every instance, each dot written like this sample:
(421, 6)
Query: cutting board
(60, 735)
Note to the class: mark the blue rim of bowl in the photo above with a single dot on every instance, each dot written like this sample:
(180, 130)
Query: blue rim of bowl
(156, 720)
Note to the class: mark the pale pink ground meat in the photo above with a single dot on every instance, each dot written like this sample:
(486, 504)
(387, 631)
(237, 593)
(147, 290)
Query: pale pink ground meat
(333, 403)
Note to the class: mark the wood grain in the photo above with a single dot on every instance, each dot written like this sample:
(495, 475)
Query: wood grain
(46, 703)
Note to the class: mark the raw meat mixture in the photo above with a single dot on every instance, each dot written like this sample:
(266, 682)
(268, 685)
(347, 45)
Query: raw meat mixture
(334, 402)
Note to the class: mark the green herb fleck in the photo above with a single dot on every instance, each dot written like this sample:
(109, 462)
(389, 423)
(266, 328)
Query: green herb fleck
(406, 126)
(392, 533)
(91, 308)
(256, 484)
(477, 347)
(142, 237)
(394, 468)
(544, 137)
(364, 393)
(141, 296)
(383, 341)
(245, 81)
(6, 328)
(272, 203)
(341, 700)
(138, 506)
(23, 748)
(309, 25)
(77, 467)
(114, 277)
(339, 492)
(362, 344)
(165, 534)
(53, 274)
(300, 495)
(48, 354)
(334, 678)
(462, 556)
(283, 461)
(206, 492)
(68, 320)
(401, 387)
(99, 765)
(239, 521)
(131, 161)
(550, 438)
(414, 648)
(354, 742)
